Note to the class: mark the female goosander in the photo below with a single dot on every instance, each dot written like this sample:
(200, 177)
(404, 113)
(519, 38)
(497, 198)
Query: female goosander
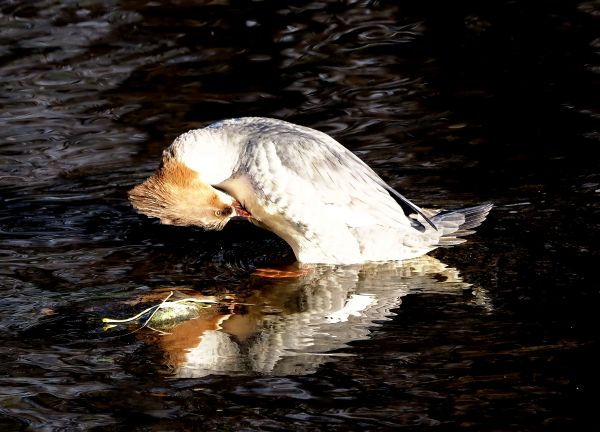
(326, 203)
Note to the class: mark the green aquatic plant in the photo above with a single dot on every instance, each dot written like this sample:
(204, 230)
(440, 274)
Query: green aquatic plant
(166, 314)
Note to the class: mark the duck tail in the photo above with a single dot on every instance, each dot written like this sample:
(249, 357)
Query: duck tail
(455, 224)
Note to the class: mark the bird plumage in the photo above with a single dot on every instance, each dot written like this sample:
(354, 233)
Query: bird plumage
(314, 193)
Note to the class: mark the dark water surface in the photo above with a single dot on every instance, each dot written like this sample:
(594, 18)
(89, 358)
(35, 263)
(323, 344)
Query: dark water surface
(454, 103)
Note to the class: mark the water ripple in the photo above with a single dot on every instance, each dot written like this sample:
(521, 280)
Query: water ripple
(450, 104)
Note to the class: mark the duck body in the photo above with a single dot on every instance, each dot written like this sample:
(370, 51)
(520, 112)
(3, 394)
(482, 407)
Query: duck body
(303, 185)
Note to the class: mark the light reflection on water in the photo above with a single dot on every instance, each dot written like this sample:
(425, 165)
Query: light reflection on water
(291, 326)
(452, 105)
(284, 327)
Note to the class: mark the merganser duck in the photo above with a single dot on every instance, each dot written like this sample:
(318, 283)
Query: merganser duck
(303, 185)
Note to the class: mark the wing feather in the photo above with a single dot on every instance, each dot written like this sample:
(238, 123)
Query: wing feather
(283, 159)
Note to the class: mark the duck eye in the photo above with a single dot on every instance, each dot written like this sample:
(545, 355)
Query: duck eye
(223, 212)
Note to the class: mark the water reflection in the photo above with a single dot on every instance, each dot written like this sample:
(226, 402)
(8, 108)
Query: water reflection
(452, 104)
(293, 325)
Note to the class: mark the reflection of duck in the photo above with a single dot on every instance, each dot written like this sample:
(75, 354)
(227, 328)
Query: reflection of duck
(292, 326)
(326, 203)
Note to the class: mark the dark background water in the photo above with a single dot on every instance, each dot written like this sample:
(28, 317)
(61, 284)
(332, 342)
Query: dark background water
(453, 103)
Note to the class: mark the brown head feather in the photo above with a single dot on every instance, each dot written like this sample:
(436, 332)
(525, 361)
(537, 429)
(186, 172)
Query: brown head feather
(177, 195)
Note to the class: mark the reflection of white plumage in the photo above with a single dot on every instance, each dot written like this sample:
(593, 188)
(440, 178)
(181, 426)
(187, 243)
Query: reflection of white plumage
(293, 327)
(327, 204)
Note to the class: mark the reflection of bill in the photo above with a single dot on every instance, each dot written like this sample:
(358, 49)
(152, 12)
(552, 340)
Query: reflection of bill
(290, 326)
